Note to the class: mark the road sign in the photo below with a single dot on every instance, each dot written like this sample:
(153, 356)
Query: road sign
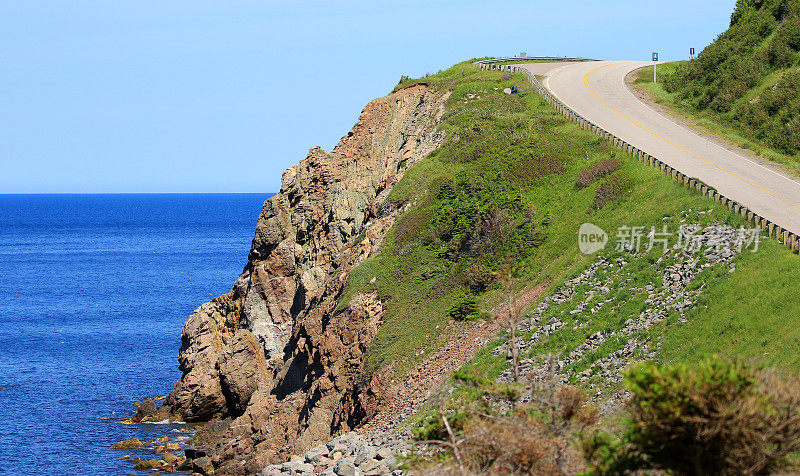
(655, 59)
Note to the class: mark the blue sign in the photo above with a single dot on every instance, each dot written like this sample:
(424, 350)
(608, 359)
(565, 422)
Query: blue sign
(655, 56)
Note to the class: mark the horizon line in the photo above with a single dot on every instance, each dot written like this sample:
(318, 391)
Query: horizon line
(134, 193)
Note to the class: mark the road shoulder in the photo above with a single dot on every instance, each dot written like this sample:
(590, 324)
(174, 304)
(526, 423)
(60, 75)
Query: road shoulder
(691, 123)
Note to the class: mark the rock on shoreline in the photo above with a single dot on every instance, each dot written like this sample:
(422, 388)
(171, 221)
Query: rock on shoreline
(348, 455)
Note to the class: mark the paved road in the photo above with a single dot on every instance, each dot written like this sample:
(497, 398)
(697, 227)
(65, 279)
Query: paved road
(598, 92)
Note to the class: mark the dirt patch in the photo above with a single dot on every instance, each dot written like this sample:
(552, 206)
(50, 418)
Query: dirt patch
(418, 384)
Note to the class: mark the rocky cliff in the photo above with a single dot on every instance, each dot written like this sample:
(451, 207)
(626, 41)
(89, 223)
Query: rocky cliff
(275, 361)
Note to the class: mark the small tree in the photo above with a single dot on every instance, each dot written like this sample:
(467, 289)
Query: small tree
(512, 315)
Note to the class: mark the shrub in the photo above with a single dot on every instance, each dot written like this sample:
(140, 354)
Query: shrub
(512, 447)
(532, 166)
(479, 277)
(789, 33)
(597, 171)
(613, 187)
(466, 308)
(431, 427)
(717, 417)
(528, 440)
(486, 231)
(779, 53)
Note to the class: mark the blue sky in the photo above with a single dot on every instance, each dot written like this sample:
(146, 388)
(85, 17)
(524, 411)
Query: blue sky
(124, 96)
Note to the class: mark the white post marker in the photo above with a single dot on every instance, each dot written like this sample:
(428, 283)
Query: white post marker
(655, 60)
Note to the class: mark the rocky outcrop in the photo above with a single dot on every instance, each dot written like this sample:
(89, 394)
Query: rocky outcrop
(277, 359)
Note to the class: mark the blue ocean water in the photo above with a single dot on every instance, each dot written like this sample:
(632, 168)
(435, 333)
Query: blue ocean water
(94, 290)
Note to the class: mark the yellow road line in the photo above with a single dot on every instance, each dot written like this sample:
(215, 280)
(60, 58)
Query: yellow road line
(586, 83)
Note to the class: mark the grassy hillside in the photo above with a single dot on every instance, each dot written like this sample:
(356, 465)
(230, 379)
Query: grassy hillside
(504, 197)
(496, 210)
(748, 77)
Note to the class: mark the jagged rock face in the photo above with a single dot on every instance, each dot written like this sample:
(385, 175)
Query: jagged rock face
(242, 370)
(272, 352)
(198, 394)
(313, 395)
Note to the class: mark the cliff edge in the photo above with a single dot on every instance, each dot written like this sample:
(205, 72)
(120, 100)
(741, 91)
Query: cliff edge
(274, 362)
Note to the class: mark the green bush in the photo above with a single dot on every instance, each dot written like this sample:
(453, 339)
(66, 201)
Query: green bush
(717, 417)
(465, 309)
(431, 427)
(763, 39)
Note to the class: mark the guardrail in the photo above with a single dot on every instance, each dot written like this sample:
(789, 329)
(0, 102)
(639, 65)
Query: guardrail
(531, 58)
(784, 236)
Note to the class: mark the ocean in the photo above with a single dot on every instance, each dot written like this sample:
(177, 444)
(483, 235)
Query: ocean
(94, 290)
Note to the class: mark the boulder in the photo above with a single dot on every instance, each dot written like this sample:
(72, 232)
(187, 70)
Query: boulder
(271, 470)
(379, 471)
(184, 464)
(364, 453)
(369, 465)
(203, 465)
(314, 454)
(131, 444)
(144, 465)
(145, 409)
(383, 453)
(391, 462)
(346, 468)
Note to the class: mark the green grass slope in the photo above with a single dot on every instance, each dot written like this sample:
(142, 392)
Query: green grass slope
(503, 199)
(752, 313)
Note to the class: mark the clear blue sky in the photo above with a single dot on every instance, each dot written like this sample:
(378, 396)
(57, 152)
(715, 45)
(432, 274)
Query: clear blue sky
(178, 96)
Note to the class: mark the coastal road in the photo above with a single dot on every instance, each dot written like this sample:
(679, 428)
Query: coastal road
(597, 91)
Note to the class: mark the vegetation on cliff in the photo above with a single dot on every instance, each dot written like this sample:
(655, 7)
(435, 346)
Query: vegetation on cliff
(716, 416)
(504, 197)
